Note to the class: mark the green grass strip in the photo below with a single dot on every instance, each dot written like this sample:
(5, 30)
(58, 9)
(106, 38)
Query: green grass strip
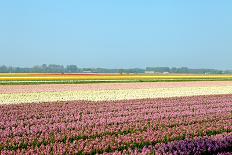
(106, 81)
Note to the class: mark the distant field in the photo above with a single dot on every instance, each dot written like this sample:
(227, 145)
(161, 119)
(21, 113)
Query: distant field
(26, 78)
(149, 118)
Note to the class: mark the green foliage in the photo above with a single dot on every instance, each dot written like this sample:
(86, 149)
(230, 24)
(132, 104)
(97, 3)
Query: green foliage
(54, 68)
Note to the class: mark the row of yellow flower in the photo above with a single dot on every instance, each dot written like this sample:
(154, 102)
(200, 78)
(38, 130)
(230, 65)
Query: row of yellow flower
(106, 95)
(113, 77)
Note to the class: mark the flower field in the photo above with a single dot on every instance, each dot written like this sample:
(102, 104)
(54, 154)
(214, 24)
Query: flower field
(119, 118)
(20, 78)
(9, 89)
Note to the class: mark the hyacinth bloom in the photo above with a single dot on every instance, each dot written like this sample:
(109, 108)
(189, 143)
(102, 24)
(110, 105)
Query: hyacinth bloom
(139, 126)
(11, 89)
(119, 118)
(110, 95)
(49, 77)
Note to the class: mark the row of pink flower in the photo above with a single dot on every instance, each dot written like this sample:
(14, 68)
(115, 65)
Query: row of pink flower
(96, 131)
(94, 110)
(87, 113)
(114, 143)
(116, 123)
(8, 89)
(219, 144)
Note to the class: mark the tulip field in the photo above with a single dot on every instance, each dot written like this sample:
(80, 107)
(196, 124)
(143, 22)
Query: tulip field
(25, 78)
(160, 118)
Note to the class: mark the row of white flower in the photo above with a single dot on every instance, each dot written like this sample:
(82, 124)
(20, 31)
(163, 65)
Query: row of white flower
(108, 95)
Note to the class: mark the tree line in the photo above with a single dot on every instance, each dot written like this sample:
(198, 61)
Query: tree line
(54, 68)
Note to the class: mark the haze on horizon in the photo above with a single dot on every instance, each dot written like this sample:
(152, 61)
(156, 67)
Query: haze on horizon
(117, 33)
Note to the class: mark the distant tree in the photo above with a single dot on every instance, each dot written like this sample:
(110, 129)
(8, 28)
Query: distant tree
(53, 68)
(3, 69)
(71, 69)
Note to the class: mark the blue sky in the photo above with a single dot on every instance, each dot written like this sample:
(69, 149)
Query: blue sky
(117, 33)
